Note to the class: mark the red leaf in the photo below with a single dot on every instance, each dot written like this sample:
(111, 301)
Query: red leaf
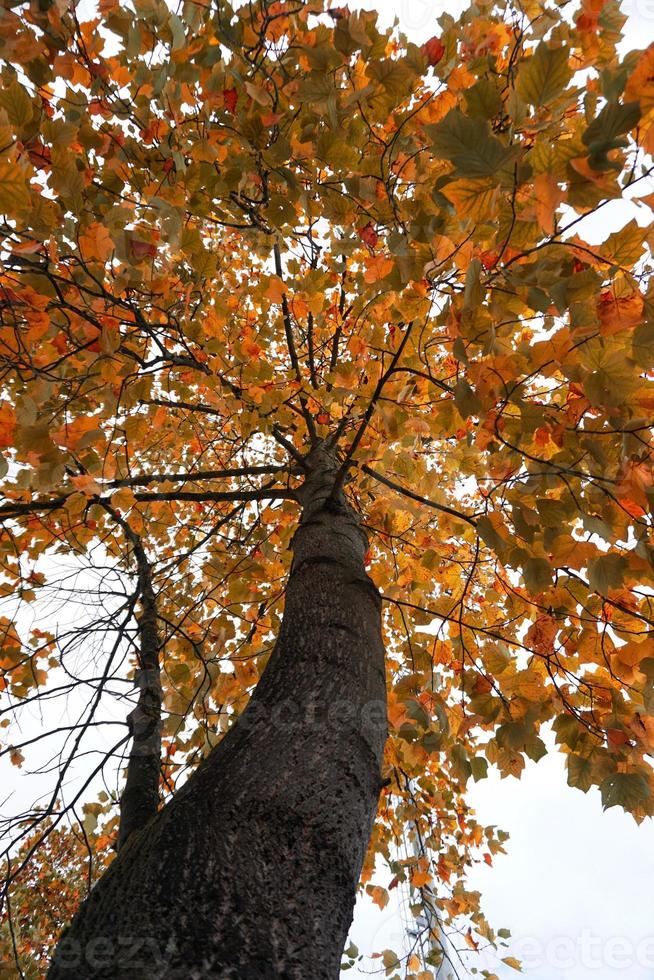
(230, 98)
(369, 235)
(433, 49)
(488, 259)
(143, 250)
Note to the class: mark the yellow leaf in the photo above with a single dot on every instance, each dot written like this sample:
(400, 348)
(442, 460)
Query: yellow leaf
(123, 500)
(17, 103)
(640, 85)
(378, 895)
(14, 192)
(474, 199)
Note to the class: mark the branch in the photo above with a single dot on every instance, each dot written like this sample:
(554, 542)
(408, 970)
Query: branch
(421, 500)
(140, 798)
(290, 343)
(201, 496)
(340, 476)
(143, 479)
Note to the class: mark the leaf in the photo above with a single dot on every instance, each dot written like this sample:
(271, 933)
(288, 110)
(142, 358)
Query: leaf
(96, 242)
(378, 894)
(537, 573)
(14, 193)
(548, 198)
(368, 235)
(544, 76)
(377, 268)
(465, 399)
(513, 963)
(483, 100)
(606, 131)
(390, 960)
(630, 790)
(17, 103)
(580, 773)
(469, 145)
(86, 484)
(433, 50)
(606, 573)
(479, 767)
(474, 199)
(230, 100)
(625, 247)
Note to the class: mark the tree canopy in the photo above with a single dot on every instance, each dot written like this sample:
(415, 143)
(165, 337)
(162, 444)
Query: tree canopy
(231, 235)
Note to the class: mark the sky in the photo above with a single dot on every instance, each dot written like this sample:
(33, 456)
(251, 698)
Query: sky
(576, 885)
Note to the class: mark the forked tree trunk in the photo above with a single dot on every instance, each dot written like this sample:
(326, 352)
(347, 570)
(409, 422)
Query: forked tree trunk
(250, 872)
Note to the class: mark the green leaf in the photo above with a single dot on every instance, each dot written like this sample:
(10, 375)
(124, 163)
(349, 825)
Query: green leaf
(432, 742)
(626, 789)
(461, 767)
(390, 960)
(465, 399)
(487, 706)
(535, 748)
(606, 132)
(479, 768)
(611, 379)
(537, 573)
(417, 713)
(483, 101)
(625, 247)
(544, 75)
(474, 292)
(568, 730)
(554, 513)
(643, 344)
(490, 536)
(469, 145)
(606, 572)
(580, 773)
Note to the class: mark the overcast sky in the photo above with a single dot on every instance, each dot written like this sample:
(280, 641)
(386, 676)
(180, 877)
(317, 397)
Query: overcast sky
(576, 887)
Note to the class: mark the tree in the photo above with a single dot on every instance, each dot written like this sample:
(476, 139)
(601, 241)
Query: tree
(316, 396)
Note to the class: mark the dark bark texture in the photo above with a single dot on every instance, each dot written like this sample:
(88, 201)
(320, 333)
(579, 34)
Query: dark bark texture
(250, 871)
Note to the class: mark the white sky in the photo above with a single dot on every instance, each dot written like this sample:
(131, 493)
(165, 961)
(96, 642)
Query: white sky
(576, 885)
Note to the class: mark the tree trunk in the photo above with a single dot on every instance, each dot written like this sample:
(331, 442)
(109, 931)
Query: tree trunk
(250, 871)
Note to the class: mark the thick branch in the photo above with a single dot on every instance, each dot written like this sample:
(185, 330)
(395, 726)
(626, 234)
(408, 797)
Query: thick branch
(19, 508)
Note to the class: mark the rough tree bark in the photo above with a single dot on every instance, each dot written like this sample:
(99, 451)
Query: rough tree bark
(250, 871)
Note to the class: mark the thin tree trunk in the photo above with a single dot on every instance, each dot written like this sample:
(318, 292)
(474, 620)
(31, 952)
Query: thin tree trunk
(140, 799)
(250, 871)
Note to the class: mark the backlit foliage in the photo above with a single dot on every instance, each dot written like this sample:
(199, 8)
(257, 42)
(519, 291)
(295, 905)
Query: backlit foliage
(229, 234)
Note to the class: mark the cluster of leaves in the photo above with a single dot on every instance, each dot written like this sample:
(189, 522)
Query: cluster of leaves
(230, 234)
(62, 867)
